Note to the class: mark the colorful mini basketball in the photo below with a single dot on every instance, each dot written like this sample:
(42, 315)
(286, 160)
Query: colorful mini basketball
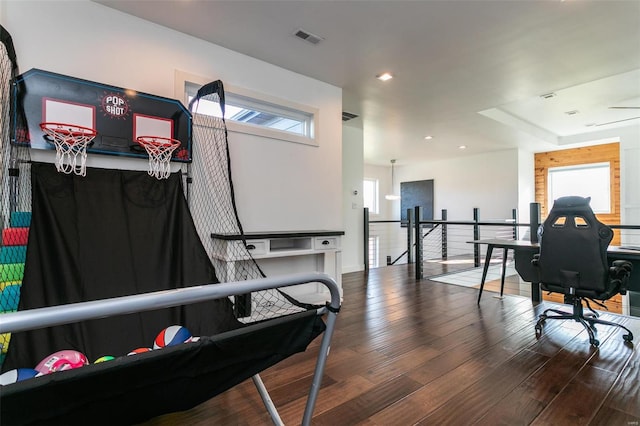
(17, 375)
(103, 359)
(62, 360)
(173, 335)
(139, 351)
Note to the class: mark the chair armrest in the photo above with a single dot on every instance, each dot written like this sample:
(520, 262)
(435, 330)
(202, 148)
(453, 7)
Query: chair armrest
(535, 260)
(625, 264)
(619, 272)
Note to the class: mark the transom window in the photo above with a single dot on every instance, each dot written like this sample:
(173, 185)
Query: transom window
(248, 113)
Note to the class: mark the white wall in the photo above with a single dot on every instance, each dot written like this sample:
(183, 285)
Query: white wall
(526, 186)
(630, 177)
(352, 174)
(487, 181)
(279, 185)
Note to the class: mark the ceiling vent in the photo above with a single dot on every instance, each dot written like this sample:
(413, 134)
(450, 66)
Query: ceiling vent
(548, 95)
(307, 36)
(346, 116)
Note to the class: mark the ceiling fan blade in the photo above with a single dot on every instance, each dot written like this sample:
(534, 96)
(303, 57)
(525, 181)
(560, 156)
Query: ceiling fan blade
(617, 121)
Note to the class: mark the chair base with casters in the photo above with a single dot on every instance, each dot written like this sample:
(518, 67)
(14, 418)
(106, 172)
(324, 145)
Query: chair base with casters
(573, 261)
(588, 320)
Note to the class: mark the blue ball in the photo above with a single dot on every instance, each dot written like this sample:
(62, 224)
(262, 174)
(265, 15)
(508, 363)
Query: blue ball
(17, 375)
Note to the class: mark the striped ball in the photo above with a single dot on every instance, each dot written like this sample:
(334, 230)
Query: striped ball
(173, 335)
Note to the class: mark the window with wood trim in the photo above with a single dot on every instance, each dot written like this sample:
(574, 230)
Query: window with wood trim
(576, 157)
(585, 158)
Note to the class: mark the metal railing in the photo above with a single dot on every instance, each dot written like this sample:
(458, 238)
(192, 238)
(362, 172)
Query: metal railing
(393, 242)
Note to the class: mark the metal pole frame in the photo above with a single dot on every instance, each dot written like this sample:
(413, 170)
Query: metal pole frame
(366, 239)
(419, 243)
(476, 236)
(444, 241)
(64, 314)
(410, 220)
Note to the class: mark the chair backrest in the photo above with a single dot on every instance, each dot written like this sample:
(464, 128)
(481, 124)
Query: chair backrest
(573, 247)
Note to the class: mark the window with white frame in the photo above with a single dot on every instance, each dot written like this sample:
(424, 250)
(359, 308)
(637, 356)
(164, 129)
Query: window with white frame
(370, 194)
(257, 114)
(585, 180)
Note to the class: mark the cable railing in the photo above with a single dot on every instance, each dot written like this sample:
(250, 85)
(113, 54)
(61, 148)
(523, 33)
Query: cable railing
(444, 242)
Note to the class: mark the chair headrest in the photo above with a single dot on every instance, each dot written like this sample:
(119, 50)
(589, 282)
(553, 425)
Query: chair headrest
(572, 201)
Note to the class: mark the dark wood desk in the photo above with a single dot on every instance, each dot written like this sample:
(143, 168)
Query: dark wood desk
(523, 247)
(523, 252)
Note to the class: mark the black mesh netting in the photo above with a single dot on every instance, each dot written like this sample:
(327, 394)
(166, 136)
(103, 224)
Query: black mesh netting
(15, 193)
(212, 205)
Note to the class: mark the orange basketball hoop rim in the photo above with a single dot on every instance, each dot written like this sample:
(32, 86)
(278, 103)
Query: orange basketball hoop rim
(159, 150)
(158, 142)
(72, 133)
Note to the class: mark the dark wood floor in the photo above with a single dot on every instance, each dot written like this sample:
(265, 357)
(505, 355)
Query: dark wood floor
(423, 353)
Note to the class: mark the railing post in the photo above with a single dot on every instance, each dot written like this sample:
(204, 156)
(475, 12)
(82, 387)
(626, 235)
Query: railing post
(514, 216)
(418, 239)
(366, 239)
(444, 235)
(534, 224)
(410, 236)
(476, 236)
(534, 221)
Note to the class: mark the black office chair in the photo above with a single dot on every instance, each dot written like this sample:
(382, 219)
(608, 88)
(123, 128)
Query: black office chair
(573, 261)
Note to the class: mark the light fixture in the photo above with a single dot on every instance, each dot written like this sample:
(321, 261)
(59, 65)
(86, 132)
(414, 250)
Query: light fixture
(384, 76)
(428, 137)
(462, 147)
(392, 196)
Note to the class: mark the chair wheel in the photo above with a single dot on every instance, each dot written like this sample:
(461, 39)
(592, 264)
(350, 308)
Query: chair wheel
(627, 337)
(538, 331)
(595, 343)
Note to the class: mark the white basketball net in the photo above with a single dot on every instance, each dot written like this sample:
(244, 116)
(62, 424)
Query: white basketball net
(71, 146)
(159, 150)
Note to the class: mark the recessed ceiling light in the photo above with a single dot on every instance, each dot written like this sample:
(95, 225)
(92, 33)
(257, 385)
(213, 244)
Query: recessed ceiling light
(428, 137)
(572, 112)
(462, 147)
(384, 76)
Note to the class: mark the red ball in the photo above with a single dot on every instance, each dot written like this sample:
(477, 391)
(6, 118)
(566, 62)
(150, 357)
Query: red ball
(139, 351)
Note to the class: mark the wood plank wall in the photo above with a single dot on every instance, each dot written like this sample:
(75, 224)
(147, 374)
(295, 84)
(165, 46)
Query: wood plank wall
(606, 153)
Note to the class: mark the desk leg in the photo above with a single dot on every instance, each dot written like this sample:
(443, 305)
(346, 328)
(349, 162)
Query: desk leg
(487, 260)
(504, 270)
(536, 296)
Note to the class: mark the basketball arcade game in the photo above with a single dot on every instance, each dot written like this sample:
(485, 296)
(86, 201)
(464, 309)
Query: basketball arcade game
(79, 118)
(76, 117)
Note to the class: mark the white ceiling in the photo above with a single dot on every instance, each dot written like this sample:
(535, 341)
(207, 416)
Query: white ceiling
(467, 72)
